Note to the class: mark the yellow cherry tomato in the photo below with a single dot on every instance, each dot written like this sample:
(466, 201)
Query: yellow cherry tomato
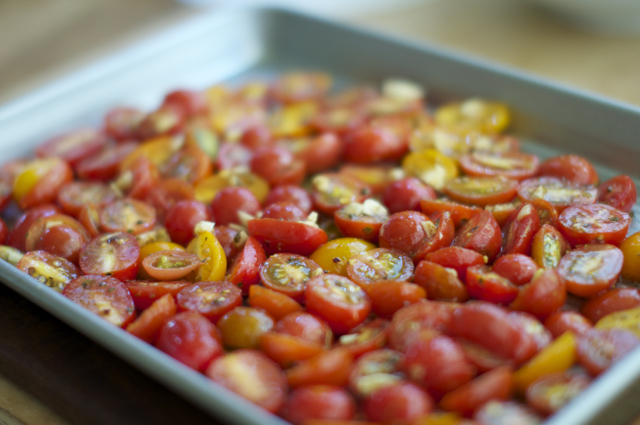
(157, 150)
(473, 115)
(439, 418)
(31, 174)
(293, 120)
(431, 167)
(333, 255)
(208, 249)
(152, 247)
(631, 250)
(625, 319)
(558, 356)
(231, 121)
(207, 189)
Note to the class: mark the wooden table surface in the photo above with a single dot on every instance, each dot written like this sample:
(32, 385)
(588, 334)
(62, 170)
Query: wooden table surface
(44, 39)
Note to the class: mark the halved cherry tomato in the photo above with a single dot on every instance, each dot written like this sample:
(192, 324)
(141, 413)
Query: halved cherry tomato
(598, 349)
(459, 259)
(208, 249)
(182, 218)
(482, 234)
(631, 250)
(242, 327)
(593, 223)
(139, 180)
(481, 190)
(361, 220)
(73, 146)
(481, 358)
(59, 235)
(559, 193)
(113, 254)
(572, 168)
(506, 413)
(473, 114)
(548, 247)
(460, 213)
(319, 402)
(277, 165)
(191, 339)
(618, 192)
(299, 86)
(376, 177)
(339, 119)
(518, 268)
(365, 338)
(127, 215)
(147, 326)
(426, 318)
(157, 150)
(305, 326)
(626, 319)
(55, 272)
(398, 403)
(320, 153)
(286, 349)
(286, 236)
(617, 299)
(379, 264)
(289, 274)
(122, 123)
(334, 255)
(144, 292)
(332, 191)
(513, 165)
(484, 284)
(553, 391)
(430, 166)
(562, 321)
(230, 239)
(164, 121)
(170, 264)
(374, 370)
(190, 164)
(337, 300)
(519, 230)
(252, 375)
(284, 211)
(74, 195)
(157, 234)
(374, 143)
(230, 201)
(211, 299)
(290, 193)
(104, 165)
(532, 326)
(327, 368)
(441, 283)
(245, 268)
(191, 103)
(389, 296)
(165, 193)
(105, 296)
(276, 304)
(39, 181)
(406, 194)
(501, 212)
(544, 295)
(590, 268)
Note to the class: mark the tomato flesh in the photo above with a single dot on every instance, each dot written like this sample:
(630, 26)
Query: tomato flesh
(591, 268)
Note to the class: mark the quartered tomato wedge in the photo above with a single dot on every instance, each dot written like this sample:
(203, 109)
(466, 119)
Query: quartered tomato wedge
(74, 195)
(38, 181)
(548, 247)
(211, 299)
(288, 274)
(113, 254)
(516, 165)
(482, 234)
(361, 220)
(593, 223)
(333, 191)
(441, 283)
(105, 296)
(379, 264)
(481, 190)
(519, 230)
(104, 165)
(618, 192)
(244, 270)
(286, 236)
(572, 168)
(55, 272)
(486, 285)
(74, 146)
(460, 213)
(560, 193)
(170, 265)
(591, 268)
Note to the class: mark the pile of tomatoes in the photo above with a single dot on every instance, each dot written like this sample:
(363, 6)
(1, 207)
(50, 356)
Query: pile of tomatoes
(338, 257)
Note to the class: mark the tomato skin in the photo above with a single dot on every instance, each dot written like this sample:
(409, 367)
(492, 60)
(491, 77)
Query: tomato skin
(211, 299)
(62, 241)
(104, 165)
(276, 304)
(105, 296)
(229, 201)
(74, 195)
(379, 264)
(326, 368)
(338, 301)
(285, 349)
(400, 403)
(545, 294)
(440, 283)
(182, 218)
(598, 349)
(484, 284)
(18, 236)
(586, 281)
(593, 223)
(122, 123)
(459, 259)
(406, 194)
(572, 168)
(321, 153)
(290, 193)
(460, 213)
(305, 326)
(494, 385)
(144, 293)
(563, 321)
(482, 234)
(359, 226)
(286, 236)
(369, 144)
(44, 191)
(147, 326)
(618, 192)
(616, 299)
(365, 338)
(73, 146)
(245, 269)
(519, 230)
(424, 317)
(518, 268)
(114, 254)
(481, 191)
(389, 296)
(319, 402)
(277, 165)
(284, 211)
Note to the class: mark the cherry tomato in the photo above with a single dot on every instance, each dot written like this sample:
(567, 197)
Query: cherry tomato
(257, 136)
(441, 283)
(191, 103)
(548, 247)
(513, 165)
(373, 143)
(590, 269)
(593, 223)
(232, 155)
(544, 295)
(105, 296)
(320, 153)
(39, 181)
(406, 194)
(339, 119)
(285, 349)
(74, 195)
(552, 392)
(473, 114)
(327, 368)
(532, 326)
(399, 403)
(333, 191)
(208, 249)
(170, 265)
(144, 293)
(379, 264)
(73, 146)
(617, 299)
(361, 220)
(563, 321)
(231, 200)
(299, 86)
(289, 274)
(290, 193)
(113, 254)
(277, 165)
(559, 193)
(572, 168)
(519, 230)
(89, 217)
(182, 218)
(376, 177)
(338, 301)
(245, 268)
(230, 239)
(365, 338)
(430, 166)
(276, 304)
(165, 121)
(190, 164)
(286, 236)
(631, 250)
(147, 326)
(305, 326)
(546, 212)
(127, 215)
(319, 402)
(482, 234)
(389, 296)
(165, 193)
(481, 190)
(618, 192)
(460, 213)
(55, 272)
(481, 358)
(104, 165)
(501, 212)
(211, 299)
(59, 235)
(334, 255)
(505, 413)
(459, 259)
(242, 327)
(122, 123)
(598, 349)
(518, 268)
(284, 211)
(486, 285)
(426, 318)
(140, 179)
(625, 319)
(191, 339)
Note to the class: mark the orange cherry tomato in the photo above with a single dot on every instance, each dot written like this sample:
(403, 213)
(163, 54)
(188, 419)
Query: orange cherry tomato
(275, 303)
(147, 326)
(481, 190)
(327, 368)
(389, 296)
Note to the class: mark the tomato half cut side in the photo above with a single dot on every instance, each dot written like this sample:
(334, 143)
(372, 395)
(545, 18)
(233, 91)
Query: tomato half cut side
(617, 299)
(484, 284)
(18, 235)
(286, 236)
(501, 212)
(127, 215)
(553, 391)
(590, 268)
(365, 338)
(113, 254)
(559, 193)
(598, 349)
(361, 220)
(170, 264)
(332, 191)
(593, 223)
(481, 191)
(105, 296)
(548, 247)
(458, 259)
(379, 264)
(374, 369)
(55, 272)
(513, 165)
(145, 292)
(211, 299)
(482, 234)
(288, 274)
(104, 165)
(618, 192)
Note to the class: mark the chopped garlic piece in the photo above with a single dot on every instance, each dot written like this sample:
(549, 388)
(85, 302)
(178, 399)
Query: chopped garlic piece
(244, 218)
(403, 90)
(204, 226)
(429, 228)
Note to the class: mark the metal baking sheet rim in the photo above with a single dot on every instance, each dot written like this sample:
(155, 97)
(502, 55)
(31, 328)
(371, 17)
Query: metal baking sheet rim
(610, 399)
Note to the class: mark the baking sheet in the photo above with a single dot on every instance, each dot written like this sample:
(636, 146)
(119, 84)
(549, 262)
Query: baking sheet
(239, 45)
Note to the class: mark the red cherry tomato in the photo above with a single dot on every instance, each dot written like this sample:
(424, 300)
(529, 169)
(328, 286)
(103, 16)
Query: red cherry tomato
(518, 268)
(459, 259)
(55, 173)
(231, 155)
(481, 190)
(333, 191)
(544, 295)
(572, 168)
(593, 223)
(256, 136)
(305, 326)
(286, 236)
(170, 264)
(74, 195)
(369, 144)
(532, 326)
(441, 283)
(484, 284)
(460, 213)
(519, 230)
(164, 194)
(164, 121)
(400, 403)
(288, 274)
(617, 299)
(327, 368)
(191, 103)
(389, 296)
(127, 215)
(406, 194)
(182, 218)
(319, 402)
(122, 123)
(563, 321)
(148, 324)
(284, 211)
(383, 362)
(144, 292)
(73, 146)
(546, 212)
(230, 239)
(338, 301)
(339, 119)
(277, 166)
(361, 220)
(290, 193)
(591, 268)
(320, 153)
(244, 270)
(365, 338)
(55, 272)
(483, 359)
(513, 165)
(482, 234)
(65, 242)
(211, 299)
(551, 392)
(425, 317)
(18, 236)
(559, 193)
(598, 349)
(229, 201)
(506, 413)
(104, 165)
(618, 192)
(190, 164)
(105, 296)
(113, 254)
(379, 264)
(191, 339)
